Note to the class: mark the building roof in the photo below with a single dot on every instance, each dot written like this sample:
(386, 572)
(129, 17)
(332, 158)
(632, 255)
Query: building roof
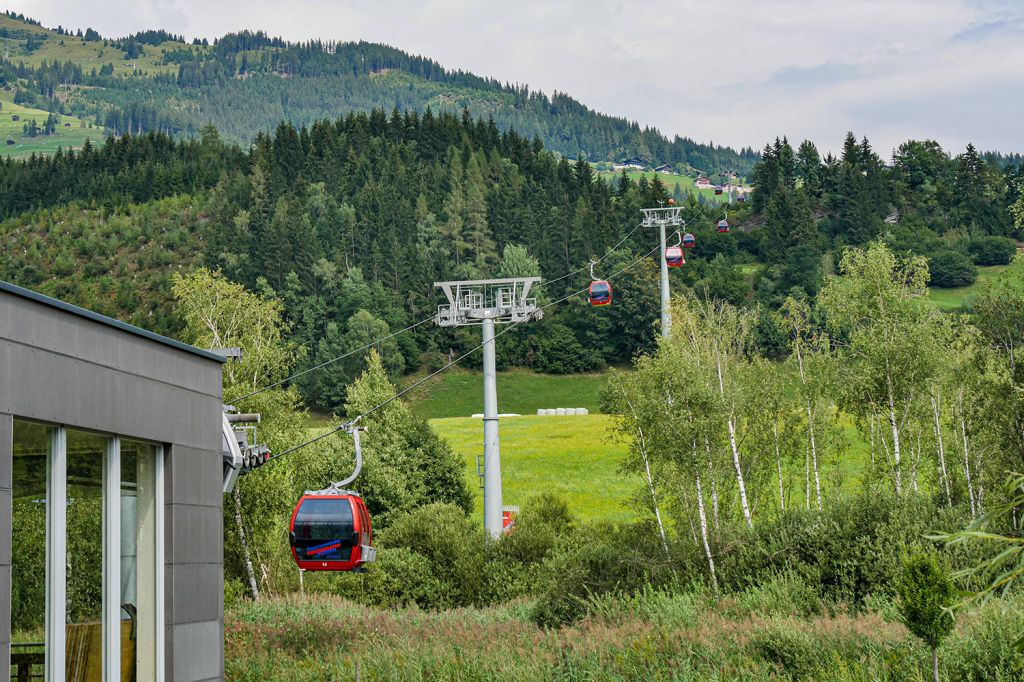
(108, 321)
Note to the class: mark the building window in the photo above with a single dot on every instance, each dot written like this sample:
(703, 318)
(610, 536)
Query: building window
(84, 555)
(32, 448)
(138, 561)
(87, 552)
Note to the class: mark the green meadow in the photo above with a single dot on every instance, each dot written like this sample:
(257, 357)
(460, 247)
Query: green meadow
(957, 297)
(576, 457)
(72, 136)
(459, 392)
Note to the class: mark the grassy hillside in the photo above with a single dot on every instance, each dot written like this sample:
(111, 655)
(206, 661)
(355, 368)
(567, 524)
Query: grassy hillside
(117, 264)
(459, 392)
(248, 83)
(71, 132)
(574, 457)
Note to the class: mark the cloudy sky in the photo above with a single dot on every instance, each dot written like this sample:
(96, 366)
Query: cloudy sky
(736, 73)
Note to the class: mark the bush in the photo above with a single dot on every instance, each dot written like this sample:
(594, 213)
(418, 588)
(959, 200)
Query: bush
(951, 269)
(453, 547)
(593, 561)
(852, 550)
(401, 577)
(992, 250)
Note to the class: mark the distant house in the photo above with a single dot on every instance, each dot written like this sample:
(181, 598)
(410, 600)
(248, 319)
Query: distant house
(635, 164)
(664, 168)
(702, 183)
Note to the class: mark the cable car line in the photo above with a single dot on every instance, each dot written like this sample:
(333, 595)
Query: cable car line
(346, 426)
(410, 327)
(332, 360)
(584, 268)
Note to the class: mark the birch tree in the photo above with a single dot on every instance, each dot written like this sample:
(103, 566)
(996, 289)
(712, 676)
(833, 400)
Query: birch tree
(812, 356)
(886, 331)
(713, 336)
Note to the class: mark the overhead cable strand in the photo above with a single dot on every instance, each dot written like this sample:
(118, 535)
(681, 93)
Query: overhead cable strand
(345, 426)
(331, 361)
(412, 326)
(584, 268)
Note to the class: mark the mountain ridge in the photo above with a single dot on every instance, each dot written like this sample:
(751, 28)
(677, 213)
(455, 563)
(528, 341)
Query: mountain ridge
(246, 82)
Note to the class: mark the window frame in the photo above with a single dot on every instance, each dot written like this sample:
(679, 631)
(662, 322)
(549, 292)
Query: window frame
(56, 546)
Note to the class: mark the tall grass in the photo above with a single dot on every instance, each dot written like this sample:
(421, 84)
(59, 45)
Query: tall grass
(763, 633)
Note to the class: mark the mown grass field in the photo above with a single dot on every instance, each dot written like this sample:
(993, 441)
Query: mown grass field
(577, 458)
(460, 392)
(952, 299)
(71, 137)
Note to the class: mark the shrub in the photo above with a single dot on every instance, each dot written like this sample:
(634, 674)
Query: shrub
(926, 593)
(951, 269)
(796, 653)
(988, 250)
(401, 577)
(453, 546)
(597, 560)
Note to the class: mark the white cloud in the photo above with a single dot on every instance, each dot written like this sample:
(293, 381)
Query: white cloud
(737, 73)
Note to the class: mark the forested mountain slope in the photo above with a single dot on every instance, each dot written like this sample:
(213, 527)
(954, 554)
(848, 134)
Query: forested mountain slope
(247, 82)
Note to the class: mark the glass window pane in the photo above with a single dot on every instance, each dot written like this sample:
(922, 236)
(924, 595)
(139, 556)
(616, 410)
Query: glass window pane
(84, 631)
(32, 443)
(138, 561)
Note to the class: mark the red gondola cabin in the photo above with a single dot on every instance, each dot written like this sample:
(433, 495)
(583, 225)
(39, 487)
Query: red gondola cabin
(600, 292)
(689, 241)
(718, 190)
(331, 532)
(674, 257)
(723, 225)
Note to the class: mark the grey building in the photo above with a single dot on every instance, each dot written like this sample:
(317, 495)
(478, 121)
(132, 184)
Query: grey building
(111, 553)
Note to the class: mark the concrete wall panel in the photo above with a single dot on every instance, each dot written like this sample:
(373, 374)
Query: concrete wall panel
(57, 331)
(6, 465)
(197, 534)
(198, 652)
(195, 476)
(199, 589)
(55, 388)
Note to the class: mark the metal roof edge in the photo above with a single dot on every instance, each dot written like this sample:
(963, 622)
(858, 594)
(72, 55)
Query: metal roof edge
(108, 321)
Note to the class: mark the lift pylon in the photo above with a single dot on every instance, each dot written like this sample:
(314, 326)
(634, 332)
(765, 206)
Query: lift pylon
(487, 302)
(662, 218)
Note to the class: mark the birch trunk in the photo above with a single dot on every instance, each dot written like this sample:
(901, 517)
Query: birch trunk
(704, 534)
(734, 446)
(937, 414)
(650, 479)
(249, 570)
(895, 435)
(967, 456)
(807, 478)
(810, 426)
(778, 466)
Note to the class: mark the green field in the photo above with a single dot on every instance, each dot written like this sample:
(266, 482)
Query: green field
(459, 392)
(951, 299)
(70, 137)
(574, 457)
(88, 55)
